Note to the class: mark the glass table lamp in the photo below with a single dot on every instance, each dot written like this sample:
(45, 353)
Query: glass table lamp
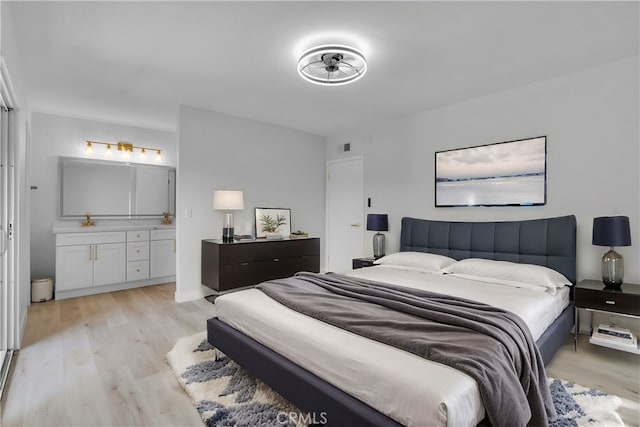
(378, 222)
(612, 231)
(228, 201)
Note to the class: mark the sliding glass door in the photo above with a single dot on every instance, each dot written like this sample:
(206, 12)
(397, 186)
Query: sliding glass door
(8, 293)
(4, 205)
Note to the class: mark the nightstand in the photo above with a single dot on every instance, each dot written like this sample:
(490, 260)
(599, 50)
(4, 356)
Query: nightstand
(592, 295)
(362, 262)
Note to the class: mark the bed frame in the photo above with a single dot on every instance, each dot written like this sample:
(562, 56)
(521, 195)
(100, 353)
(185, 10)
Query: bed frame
(550, 242)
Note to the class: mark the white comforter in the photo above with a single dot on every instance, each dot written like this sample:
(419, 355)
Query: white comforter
(405, 387)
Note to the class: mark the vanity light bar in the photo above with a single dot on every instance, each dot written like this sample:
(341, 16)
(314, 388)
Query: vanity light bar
(125, 148)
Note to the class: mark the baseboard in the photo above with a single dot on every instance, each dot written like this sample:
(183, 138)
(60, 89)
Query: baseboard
(193, 294)
(72, 293)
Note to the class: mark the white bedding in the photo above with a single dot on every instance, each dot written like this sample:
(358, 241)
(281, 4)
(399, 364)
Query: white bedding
(407, 388)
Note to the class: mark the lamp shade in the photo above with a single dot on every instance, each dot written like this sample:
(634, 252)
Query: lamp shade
(377, 222)
(611, 231)
(228, 200)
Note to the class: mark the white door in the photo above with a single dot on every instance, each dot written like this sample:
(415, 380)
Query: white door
(163, 258)
(109, 263)
(345, 212)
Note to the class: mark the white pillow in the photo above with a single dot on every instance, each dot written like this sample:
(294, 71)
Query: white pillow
(509, 273)
(420, 260)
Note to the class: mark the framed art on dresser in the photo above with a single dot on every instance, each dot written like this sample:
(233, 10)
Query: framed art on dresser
(272, 222)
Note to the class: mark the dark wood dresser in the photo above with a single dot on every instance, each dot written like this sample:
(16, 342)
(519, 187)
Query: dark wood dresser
(227, 266)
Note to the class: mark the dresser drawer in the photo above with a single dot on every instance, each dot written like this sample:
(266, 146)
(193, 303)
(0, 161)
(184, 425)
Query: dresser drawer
(137, 270)
(137, 251)
(252, 273)
(138, 236)
(263, 251)
(608, 301)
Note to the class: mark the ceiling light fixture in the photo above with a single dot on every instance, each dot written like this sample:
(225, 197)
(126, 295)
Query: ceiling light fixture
(332, 65)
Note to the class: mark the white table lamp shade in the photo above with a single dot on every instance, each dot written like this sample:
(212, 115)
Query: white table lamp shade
(228, 200)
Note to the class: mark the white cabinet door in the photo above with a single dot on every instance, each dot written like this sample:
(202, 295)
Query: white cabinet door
(74, 267)
(163, 258)
(109, 263)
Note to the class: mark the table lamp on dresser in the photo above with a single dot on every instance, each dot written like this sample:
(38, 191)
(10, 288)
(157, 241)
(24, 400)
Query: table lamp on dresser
(228, 201)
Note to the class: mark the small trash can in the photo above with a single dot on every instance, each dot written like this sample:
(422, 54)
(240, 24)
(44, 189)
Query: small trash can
(41, 289)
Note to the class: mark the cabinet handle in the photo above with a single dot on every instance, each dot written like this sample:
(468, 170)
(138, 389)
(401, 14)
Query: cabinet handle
(610, 302)
(138, 250)
(276, 259)
(138, 270)
(244, 263)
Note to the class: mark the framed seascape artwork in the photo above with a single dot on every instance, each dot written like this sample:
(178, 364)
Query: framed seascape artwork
(512, 173)
(272, 222)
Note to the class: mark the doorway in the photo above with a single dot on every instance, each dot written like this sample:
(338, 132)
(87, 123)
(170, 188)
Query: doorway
(345, 212)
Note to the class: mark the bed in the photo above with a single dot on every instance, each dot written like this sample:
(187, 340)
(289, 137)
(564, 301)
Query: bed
(310, 383)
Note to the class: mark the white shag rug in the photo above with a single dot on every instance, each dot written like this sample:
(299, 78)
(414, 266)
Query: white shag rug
(226, 395)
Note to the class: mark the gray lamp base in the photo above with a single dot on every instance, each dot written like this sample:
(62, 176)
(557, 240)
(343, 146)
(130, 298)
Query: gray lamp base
(612, 269)
(378, 245)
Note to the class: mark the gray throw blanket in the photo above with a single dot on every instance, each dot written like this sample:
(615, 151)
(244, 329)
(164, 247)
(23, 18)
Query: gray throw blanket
(491, 345)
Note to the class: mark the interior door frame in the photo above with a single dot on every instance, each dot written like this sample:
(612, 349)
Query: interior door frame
(326, 201)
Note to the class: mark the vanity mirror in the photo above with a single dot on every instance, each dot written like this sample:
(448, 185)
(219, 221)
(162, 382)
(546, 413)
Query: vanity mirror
(115, 189)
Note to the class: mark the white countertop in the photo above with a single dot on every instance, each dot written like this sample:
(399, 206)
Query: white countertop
(106, 225)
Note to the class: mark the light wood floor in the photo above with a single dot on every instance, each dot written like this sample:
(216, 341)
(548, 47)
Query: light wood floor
(100, 360)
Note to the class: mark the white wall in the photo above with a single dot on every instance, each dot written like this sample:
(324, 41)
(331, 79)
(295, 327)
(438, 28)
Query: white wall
(53, 136)
(274, 166)
(591, 122)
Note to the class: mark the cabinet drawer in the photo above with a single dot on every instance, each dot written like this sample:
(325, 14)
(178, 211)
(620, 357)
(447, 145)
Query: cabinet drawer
(137, 236)
(263, 251)
(608, 301)
(137, 270)
(251, 273)
(169, 234)
(137, 251)
(68, 239)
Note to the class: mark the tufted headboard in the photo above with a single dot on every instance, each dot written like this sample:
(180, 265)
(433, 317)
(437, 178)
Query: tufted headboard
(550, 242)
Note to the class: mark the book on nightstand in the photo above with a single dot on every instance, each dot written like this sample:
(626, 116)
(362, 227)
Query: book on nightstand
(614, 337)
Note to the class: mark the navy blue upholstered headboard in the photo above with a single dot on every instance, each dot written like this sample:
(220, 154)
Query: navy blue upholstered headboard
(550, 242)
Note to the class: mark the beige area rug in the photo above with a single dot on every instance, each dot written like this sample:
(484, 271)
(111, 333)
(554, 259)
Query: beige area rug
(226, 395)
